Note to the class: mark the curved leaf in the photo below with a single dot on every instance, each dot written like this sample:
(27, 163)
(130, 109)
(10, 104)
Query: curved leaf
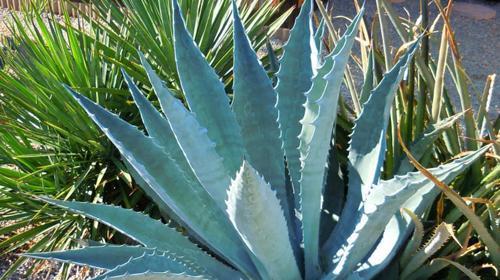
(104, 257)
(206, 96)
(257, 215)
(380, 206)
(156, 276)
(367, 148)
(297, 68)
(462, 268)
(206, 221)
(193, 140)
(154, 263)
(315, 140)
(253, 106)
(416, 239)
(442, 233)
(421, 145)
(140, 228)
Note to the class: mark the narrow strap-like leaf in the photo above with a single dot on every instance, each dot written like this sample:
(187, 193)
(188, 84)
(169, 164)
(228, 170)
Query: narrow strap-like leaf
(104, 257)
(315, 141)
(297, 69)
(380, 206)
(155, 262)
(206, 221)
(367, 147)
(206, 96)
(151, 233)
(192, 139)
(465, 270)
(257, 215)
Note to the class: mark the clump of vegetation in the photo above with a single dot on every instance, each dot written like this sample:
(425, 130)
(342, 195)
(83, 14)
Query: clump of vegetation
(52, 148)
(218, 171)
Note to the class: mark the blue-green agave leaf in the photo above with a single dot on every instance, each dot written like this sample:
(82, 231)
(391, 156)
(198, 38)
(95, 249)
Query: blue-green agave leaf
(274, 63)
(193, 140)
(256, 213)
(333, 197)
(206, 221)
(164, 209)
(368, 78)
(206, 96)
(315, 141)
(441, 234)
(156, 276)
(104, 257)
(382, 203)
(298, 65)
(399, 228)
(367, 147)
(140, 228)
(253, 105)
(160, 132)
(318, 38)
(421, 145)
(396, 233)
(156, 262)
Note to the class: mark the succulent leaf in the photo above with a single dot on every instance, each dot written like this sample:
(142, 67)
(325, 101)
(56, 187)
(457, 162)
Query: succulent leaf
(206, 221)
(318, 39)
(367, 148)
(257, 215)
(193, 140)
(140, 228)
(416, 239)
(315, 140)
(155, 262)
(396, 233)
(104, 257)
(206, 96)
(253, 105)
(298, 65)
(161, 133)
(442, 233)
(155, 276)
(421, 145)
(380, 206)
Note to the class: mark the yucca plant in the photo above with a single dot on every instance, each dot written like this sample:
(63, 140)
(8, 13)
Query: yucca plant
(145, 25)
(218, 171)
(49, 146)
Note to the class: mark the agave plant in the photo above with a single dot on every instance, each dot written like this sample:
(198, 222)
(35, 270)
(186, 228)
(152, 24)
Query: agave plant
(219, 170)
